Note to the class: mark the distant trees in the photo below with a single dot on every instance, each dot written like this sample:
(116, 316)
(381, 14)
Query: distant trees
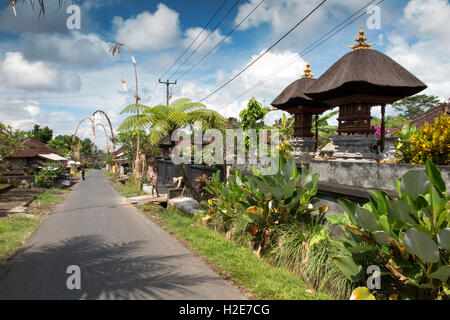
(10, 140)
(252, 117)
(44, 135)
(414, 106)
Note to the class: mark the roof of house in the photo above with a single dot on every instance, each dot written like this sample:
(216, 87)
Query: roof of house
(33, 148)
(431, 115)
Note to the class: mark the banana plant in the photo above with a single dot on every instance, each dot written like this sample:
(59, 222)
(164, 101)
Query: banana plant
(408, 236)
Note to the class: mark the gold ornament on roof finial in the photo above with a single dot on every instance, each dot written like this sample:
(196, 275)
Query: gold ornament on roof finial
(308, 70)
(361, 41)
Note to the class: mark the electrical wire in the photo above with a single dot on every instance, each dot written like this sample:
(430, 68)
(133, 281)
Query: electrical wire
(307, 50)
(217, 45)
(265, 52)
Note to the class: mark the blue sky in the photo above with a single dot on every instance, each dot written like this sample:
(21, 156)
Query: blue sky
(54, 76)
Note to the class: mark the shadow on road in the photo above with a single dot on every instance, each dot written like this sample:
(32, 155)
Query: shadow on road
(108, 271)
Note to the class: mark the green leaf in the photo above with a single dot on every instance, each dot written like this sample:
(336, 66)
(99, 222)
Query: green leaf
(336, 219)
(366, 220)
(350, 209)
(401, 211)
(348, 266)
(443, 273)
(360, 249)
(435, 177)
(415, 183)
(288, 169)
(444, 239)
(382, 238)
(421, 245)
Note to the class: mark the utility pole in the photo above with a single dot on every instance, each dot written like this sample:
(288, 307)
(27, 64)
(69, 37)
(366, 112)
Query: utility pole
(168, 83)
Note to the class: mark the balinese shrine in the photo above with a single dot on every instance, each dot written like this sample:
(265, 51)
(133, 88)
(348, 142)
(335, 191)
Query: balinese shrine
(303, 108)
(360, 80)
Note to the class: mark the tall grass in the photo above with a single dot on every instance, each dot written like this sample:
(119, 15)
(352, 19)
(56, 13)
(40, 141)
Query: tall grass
(311, 263)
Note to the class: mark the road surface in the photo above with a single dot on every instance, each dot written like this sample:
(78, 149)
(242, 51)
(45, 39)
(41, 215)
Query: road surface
(121, 255)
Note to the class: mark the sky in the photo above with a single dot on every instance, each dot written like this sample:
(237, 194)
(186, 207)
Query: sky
(54, 76)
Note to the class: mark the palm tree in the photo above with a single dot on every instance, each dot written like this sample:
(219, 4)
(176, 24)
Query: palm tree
(162, 121)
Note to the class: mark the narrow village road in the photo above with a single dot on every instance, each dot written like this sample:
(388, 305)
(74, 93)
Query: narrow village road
(121, 255)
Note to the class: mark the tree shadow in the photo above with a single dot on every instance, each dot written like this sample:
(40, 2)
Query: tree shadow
(108, 271)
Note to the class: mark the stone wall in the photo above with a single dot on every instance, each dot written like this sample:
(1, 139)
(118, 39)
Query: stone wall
(367, 175)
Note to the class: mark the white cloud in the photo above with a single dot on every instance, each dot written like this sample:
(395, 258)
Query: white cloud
(17, 73)
(149, 31)
(209, 40)
(230, 101)
(73, 50)
(426, 55)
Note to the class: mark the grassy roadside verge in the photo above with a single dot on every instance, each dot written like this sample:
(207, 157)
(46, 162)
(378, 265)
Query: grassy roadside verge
(128, 189)
(13, 233)
(239, 264)
(15, 230)
(47, 201)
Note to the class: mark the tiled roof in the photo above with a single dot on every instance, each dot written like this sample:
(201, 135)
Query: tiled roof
(33, 148)
(431, 115)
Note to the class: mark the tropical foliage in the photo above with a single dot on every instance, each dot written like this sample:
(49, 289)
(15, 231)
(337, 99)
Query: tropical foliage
(48, 175)
(408, 236)
(403, 145)
(412, 107)
(432, 142)
(164, 120)
(10, 140)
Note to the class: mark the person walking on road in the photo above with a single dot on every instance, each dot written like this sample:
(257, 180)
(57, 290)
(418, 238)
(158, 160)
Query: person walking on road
(83, 173)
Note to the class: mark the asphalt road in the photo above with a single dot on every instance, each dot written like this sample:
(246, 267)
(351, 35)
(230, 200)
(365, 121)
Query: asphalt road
(121, 255)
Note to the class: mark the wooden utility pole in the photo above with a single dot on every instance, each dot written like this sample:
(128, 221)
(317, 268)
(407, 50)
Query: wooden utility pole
(168, 83)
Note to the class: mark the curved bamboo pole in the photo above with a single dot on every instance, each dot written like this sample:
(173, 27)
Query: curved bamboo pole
(77, 155)
(107, 139)
(115, 48)
(113, 139)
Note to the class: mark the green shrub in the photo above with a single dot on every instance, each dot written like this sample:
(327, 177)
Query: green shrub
(48, 175)
(432, 142)
(407, 237)
(403, 146)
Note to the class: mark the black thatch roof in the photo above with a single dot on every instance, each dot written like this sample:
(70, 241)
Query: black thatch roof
(365, 76)
(294, 98)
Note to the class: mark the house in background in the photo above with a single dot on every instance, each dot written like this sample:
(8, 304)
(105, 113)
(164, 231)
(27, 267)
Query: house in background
(31, 157)
(431, 115)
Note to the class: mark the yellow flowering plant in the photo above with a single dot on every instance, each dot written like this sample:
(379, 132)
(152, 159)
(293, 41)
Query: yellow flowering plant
(432, 142)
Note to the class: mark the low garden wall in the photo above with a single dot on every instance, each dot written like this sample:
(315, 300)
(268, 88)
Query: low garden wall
(377, 176)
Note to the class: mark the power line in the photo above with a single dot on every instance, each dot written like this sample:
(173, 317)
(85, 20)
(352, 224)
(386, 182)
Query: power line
(192, 43)
(223, 39)
(309, 49)
(206, 38)
(265, 52)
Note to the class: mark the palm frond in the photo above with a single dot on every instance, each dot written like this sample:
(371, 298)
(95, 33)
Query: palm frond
(192, 106)
(132, 123)
(134, 109)
(211, 118)
(158, 131)
(178, 118)
(180, 103)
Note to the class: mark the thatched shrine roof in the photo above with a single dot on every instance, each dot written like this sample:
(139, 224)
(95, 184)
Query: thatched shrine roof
(293, 98)
(365, 76)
